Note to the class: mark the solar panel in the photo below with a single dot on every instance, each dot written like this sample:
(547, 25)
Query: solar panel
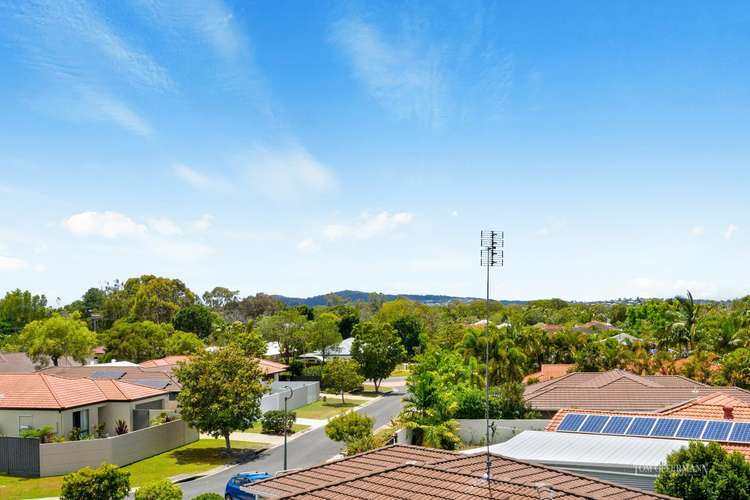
(617, 425)
(156, 383)
(740, 432)
(594, 423)
(571, 422)
(665, 427)
(691, 429)
(641, 426)
(107, 375)
(717, 430)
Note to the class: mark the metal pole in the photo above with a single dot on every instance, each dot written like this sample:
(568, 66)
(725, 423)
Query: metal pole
(286, 398)
(487, 376)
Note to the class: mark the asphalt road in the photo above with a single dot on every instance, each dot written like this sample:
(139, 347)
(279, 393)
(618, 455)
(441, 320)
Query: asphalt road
(311, 448)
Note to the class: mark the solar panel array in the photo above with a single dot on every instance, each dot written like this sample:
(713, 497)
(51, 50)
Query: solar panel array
(677, 428)
(107, 375)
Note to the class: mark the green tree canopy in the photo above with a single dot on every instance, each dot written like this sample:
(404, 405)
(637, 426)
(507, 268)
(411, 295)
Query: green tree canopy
(322, 334)
(194, 318)
(19, 308)
(58, 336)
(183, 343)
(251, 342)
(137, 341)
(157, 299)
(221, 392)
(341, 375)
(286, 328)
(349, 427)
(378, 349)
(705, 471)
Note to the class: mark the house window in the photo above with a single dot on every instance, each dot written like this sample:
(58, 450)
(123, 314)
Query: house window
(25, 422)
(81, 420)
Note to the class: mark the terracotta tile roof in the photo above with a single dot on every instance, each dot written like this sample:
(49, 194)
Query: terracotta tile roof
(41, 391)
(428, 473)
(620, 390)
(715, 406)
(348, 467)
(549, 372)
(169, 363)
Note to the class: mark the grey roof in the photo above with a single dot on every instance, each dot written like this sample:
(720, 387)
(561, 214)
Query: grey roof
(344, 348)
(560, 448)
(623, 338)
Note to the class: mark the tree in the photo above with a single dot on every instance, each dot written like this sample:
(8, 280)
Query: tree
(735, 368)
(705, 471)
(378, 349)
(322, 334)
(286, 328)
(163, 489)
(194, 318)
(56, 337)
(507, 401)
(182, 343)
(221, 392)
(136, 341)
(428, 412)
(251, 343)
(260, 305)
(157, 299)
(350, 428)
(17, 309)
(342, 376)
(410, 328)
(108, 482)
(220, 298)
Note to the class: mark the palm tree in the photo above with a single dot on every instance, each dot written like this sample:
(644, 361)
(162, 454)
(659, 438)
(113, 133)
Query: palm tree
(684, 331)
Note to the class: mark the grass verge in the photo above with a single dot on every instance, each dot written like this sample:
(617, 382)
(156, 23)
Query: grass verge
(322, 410)
(258, 428)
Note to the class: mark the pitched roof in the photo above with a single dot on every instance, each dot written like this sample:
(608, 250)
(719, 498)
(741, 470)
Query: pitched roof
(169, 363)
(714, 406)
(20, 362)
(133, 375)
(620, 390)
(41, 391)
(550, 371)
(373, 472)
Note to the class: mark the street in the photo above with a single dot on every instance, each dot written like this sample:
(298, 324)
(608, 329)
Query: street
(311, 448)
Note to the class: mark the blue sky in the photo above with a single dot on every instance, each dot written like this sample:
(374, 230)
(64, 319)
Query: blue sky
(305, 147)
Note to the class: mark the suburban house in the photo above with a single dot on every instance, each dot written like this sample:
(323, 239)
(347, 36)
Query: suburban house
(167, 365)
(619, 390)
(549, 371)
(401, 471)
(33, 400)
(593, 327)
(20, 362)
(342, 350)
(629, 447)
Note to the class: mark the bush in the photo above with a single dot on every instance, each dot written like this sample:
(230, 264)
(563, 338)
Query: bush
(163, 418)
(506, 401)
(209, 496)
(159, 490)
(470, 403)
(296, 366)
(272, 421)
(121, 427)
(100, 431)
(314, 371)
(75, 434)
(45, 433)
(107, 482)
(350, 427)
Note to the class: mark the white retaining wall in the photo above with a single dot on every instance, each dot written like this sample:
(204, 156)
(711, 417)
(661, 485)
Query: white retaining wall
(302, 393)
(61, 458)
(472, 431)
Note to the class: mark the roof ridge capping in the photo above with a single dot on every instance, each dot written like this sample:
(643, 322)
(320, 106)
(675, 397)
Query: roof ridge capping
(610, 376)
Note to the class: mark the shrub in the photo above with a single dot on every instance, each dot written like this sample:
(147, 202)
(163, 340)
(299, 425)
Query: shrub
(314, 371)
(159, 490)
(99, 431)
(296, 366)
(272, 421)
(45, 433)
(107, 482)
(470, 403)
(121, 427)
(75, 434)
(208, 496)
(163, 418)
(349, 427)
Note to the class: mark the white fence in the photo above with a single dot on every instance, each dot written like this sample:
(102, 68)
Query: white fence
(61, 458)
(472, 431)
(302, 393)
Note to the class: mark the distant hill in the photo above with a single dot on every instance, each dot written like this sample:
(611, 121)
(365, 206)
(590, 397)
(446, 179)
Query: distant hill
(357, 296)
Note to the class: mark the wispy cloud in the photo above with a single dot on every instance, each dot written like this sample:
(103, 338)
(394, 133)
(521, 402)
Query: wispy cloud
(369, 226)
(697, 231)
(201, 181)
(164, 226)
(402, 75)
(203, 222)
(307, 245)
(104, 107)
(8, 264)
(730, 231)
(287, 173)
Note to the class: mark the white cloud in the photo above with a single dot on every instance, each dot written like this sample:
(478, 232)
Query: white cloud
(731, 229)
(368, 227)
(107, 224)
(404, 75)
(288, 173)
(203, 222)
(200, 181)
(307, 245)
(104, 107)
(180, 249)
(164, 226)
(454, 213)
(8, 264)
(697, 231)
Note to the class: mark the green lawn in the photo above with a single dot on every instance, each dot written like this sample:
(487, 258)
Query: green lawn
(369, 391)
(322, 410)
(258, 427)
(401, 370)
(196, 457)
